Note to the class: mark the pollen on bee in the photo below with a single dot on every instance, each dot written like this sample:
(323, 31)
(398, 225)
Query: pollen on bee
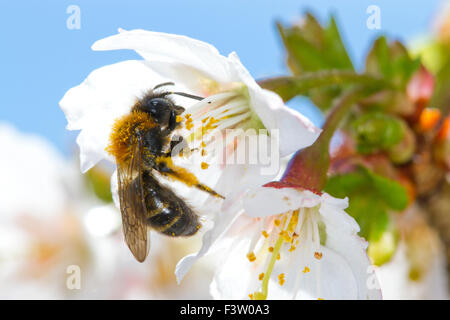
(251, 256)
(306, 270)
(204, 165)
(318, 255)
(261, 276)
(122, 132)
(179, 119)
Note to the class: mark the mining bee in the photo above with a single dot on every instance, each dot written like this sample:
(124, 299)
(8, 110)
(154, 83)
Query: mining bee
(142, 142)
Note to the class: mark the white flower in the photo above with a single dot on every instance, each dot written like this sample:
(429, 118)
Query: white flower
(289, 243)
(417, 271)
(233, 100)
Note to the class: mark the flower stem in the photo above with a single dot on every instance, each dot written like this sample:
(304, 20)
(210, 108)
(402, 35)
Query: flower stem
(308, 168)
(291, 86)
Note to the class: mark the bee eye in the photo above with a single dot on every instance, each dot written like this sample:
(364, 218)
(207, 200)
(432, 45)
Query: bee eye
(159, 108)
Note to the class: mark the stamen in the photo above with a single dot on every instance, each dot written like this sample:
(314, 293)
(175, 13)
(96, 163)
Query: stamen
(239, 105)
(316, 242)
(281, 279)
(204, 165)
(211, 102)
(275, 256)
(232, 121)
(251, 256)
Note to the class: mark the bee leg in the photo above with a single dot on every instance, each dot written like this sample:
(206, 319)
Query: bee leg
(177, 146)
(183, 175)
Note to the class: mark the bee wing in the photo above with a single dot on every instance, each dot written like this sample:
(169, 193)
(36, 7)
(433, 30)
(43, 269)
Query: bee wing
(132, 204)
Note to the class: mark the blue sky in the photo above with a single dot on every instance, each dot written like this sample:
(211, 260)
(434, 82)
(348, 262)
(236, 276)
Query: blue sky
(41, 58)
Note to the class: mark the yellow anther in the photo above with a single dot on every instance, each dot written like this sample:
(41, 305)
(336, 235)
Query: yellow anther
(285, 235)
(320, 299)
(251, 256)
(318, 255)
(292, 248)
(270, 249)
(277, 222)
(265, 234)
(203, 152)
(203, 144)
(281, 279)
(179, 119)
(204, 165)
(250, 296)
(278, 256)
(261, 276)
(306, 270)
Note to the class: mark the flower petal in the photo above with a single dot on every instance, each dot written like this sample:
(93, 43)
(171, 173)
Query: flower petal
(222, 222)
(342, 238)
(266, 201)
(165, 47)
(296, 131)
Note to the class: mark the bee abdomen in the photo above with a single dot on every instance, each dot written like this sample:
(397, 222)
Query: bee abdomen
(167, 213)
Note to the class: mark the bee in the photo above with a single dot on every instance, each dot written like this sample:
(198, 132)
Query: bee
(142, 142)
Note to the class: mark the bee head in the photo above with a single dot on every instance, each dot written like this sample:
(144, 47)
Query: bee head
(162, 110)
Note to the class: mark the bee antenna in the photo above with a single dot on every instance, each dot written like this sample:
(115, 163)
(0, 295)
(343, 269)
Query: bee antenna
(163, 85)
(187, 95)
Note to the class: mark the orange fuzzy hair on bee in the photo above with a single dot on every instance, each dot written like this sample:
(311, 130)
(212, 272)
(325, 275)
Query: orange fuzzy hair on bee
(122, 132)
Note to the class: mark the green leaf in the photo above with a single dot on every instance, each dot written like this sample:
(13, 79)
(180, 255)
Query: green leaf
(391, 62)
(371, 196)
(310, 48)
(375, 131)
(393, 193)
